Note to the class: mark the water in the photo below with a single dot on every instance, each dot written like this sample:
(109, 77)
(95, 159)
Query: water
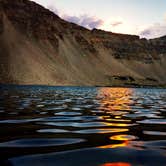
(72, 126)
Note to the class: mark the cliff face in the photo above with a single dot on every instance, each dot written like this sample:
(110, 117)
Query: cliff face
(38, 47)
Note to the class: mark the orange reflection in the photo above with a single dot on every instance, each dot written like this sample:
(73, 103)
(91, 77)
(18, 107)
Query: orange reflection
(115, 98)
(116, 102)
(102, 131)
(124, 144)
(117, 124)
(116, 164)
(123, 137)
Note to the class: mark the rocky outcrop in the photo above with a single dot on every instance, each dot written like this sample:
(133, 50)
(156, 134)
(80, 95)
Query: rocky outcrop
(38, 47)
(130, 47)
(84, 44)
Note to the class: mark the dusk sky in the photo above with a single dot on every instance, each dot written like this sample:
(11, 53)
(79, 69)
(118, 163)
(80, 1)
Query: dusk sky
(146, 18)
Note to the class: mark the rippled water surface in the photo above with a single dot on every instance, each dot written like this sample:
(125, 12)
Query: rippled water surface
(73, 126)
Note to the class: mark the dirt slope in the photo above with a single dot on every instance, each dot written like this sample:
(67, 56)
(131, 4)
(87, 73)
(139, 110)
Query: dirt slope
(38, 47)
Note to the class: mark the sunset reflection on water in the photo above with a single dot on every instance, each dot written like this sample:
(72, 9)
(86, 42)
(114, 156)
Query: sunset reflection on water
(115, 99)
(116, 103)
(82, 126)
(116, 164)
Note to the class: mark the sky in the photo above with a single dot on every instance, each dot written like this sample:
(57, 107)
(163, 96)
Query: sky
(146, 18)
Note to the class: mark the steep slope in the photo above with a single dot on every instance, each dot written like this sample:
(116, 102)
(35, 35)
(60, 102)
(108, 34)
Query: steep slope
(38, 47)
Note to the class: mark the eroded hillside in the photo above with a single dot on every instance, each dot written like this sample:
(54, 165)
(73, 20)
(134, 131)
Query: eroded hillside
(38, 47)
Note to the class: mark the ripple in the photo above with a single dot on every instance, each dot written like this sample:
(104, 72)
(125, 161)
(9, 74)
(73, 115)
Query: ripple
(138, 115)
(39, 105)
(55, 108)
(13, 113)
(52, 131)
(152, 121)
(155, 133)
(88, 124)
(88, 106)
(19, 121)
(60, 119)
(123, 137)
(117, 113)
(39, 142)
(68, 113)
(97, 111)
(76, 109)
(90, 118)
(100, 131)
(67, 100)
(43, 113)
(118, 120)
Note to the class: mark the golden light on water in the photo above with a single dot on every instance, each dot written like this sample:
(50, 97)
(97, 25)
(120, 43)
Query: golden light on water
(116, 164)
(124, 144)
(112, 130)
(117, 124)
(122, 138)
(115, 99)
(115, 102)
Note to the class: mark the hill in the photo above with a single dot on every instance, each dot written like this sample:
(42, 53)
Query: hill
(38, 47)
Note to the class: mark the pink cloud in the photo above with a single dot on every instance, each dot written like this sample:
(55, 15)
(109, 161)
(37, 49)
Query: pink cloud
(154, 31)
(89, 22)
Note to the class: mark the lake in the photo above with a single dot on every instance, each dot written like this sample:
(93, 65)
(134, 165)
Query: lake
(82, 126)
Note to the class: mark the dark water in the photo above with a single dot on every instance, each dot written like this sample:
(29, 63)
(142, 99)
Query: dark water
(82, 126)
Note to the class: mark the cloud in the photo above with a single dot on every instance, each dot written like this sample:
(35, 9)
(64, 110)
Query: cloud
(89, 22)
(154, 31)
(116, 23)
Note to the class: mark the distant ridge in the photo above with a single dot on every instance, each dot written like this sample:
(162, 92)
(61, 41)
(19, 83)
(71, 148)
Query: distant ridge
(38, 47)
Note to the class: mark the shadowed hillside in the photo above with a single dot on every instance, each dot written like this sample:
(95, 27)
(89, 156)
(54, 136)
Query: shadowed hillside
(38, 47)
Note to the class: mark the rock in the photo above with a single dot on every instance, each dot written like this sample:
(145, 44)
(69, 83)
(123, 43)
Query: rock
(84, 44)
